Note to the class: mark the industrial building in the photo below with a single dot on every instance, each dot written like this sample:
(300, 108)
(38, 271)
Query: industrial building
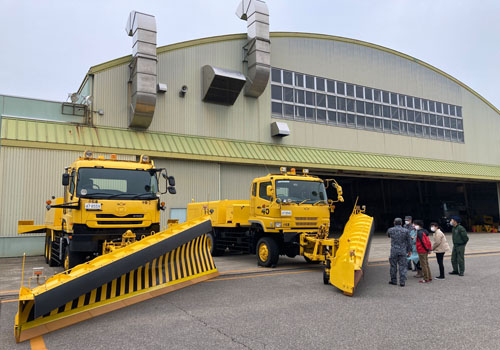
(401, 136)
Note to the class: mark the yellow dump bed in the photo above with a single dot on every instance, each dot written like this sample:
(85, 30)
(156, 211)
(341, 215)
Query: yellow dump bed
(225, 213)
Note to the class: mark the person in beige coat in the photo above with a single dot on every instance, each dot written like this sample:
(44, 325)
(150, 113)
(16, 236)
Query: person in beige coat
(440, 247)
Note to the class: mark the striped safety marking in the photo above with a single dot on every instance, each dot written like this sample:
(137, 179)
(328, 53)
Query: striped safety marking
(182, 263)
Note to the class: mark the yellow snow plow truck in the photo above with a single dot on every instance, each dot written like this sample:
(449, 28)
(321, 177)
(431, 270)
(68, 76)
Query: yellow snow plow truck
(102, 199)
(105, 232)
(289, 214)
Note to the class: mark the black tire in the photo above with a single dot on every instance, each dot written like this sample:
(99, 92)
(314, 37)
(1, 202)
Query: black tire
(269, 245)
(46, 249)
(212, 244)
(309, 261)
(50, 257)
(71, 259)
(326, 277)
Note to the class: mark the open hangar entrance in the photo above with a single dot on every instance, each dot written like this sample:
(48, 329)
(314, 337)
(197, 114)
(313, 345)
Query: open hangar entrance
(429, 199)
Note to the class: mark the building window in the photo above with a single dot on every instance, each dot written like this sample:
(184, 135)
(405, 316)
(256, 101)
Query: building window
(308, 98)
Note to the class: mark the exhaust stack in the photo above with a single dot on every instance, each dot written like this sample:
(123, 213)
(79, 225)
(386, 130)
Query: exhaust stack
(258, 47)
(142, 83)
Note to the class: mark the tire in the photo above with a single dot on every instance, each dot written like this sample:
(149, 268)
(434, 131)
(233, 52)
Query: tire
(50, 259)
(71, 259)
(309, 261)
(267, 252)
(326, 277)
(46, 249)
(212, 245)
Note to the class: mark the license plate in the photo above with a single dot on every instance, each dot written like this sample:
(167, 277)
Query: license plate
(93, 206)
(286, 213)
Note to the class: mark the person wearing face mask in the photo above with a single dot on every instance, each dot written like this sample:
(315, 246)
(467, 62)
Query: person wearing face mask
(423, 251)
(440, 246)
(460, 239)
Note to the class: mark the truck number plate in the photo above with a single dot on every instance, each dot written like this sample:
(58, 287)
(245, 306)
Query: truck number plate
(92, 206)
(286, 213)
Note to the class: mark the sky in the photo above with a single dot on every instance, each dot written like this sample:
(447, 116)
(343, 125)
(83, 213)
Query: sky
(47, 46)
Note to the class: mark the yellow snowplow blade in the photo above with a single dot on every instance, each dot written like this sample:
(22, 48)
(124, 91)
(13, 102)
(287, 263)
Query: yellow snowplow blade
(346, 268)
(155, 265)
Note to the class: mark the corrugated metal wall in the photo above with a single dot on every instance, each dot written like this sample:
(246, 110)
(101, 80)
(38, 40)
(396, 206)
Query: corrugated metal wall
(249, 118)
(28, 177)
(236, 179)
(198, 180)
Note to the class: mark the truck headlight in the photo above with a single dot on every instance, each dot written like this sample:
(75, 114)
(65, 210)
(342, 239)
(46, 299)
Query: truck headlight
(278, 224)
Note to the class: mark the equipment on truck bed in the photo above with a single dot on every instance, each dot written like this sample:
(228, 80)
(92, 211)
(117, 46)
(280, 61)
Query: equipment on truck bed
(155, 265)
(102, 199)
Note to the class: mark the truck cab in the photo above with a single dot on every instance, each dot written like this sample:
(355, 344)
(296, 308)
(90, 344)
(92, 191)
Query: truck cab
(103, 198)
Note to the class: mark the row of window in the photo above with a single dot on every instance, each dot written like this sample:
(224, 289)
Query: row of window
(343, 104)
(308, 82)
(313, 99)
(366, 122)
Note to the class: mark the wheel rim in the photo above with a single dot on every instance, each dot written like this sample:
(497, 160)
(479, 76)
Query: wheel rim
(263, 252)
(66, 262)
(209, 243)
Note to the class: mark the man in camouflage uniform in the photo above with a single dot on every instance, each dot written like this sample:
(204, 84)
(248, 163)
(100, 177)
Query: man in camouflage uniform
(400, 249)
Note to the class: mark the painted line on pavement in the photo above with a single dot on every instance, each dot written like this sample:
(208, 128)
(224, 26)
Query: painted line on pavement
(37, 343)
(259, 275)
(9, 291)
(8, 301)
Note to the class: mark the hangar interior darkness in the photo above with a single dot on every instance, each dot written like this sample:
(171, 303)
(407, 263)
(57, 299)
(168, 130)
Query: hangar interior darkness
(387, 198)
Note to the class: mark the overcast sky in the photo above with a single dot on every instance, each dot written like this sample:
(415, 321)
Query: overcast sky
(46, 47)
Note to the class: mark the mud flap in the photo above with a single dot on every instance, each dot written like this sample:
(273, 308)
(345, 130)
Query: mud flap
(157, 264)
(346, 268)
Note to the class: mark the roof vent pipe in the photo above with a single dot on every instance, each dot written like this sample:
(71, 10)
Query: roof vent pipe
(142, 83)
(258, 47)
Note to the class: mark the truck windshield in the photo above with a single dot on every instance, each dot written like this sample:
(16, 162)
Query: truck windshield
(120, 183)
(296, 191)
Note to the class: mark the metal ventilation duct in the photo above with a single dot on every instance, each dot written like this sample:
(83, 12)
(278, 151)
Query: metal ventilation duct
(142, 84)
(221, 86)
(258, 47)
(279, 129)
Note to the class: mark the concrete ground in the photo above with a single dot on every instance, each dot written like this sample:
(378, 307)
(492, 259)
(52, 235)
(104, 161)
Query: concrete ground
(289, 307)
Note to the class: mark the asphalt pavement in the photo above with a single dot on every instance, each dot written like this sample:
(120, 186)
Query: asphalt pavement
(290, 307)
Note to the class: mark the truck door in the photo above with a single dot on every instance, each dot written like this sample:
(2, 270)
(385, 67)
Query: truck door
(262, 200)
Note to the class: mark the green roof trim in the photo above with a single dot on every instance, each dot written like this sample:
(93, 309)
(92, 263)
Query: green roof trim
(52, 135)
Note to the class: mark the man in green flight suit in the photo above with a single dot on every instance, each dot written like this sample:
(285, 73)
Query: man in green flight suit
(460, 239)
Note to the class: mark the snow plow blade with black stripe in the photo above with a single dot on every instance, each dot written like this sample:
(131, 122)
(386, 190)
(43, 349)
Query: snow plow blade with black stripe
(155, 265)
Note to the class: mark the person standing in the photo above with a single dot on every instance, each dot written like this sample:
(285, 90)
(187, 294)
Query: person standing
(414, 257)
(460, 239)
(423, 249)
(440, 247)
(400, 248)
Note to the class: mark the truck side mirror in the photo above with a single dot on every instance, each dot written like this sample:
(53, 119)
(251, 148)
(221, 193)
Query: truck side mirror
(171, 181)
(269, 191)
(171, 190)
(65, 179)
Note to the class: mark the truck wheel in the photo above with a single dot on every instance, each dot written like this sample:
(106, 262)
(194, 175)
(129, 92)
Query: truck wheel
(50, 253)
(212, 245)
(46, 249)
(71, 259)
(267, 252)
(326, 277)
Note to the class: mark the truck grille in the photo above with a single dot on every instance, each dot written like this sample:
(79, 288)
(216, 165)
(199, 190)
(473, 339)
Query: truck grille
(112, 216)
(119, 222)
(305, 223)
(301, 218)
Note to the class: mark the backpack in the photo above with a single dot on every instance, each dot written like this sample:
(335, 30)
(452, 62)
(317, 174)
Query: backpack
(426, 242)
